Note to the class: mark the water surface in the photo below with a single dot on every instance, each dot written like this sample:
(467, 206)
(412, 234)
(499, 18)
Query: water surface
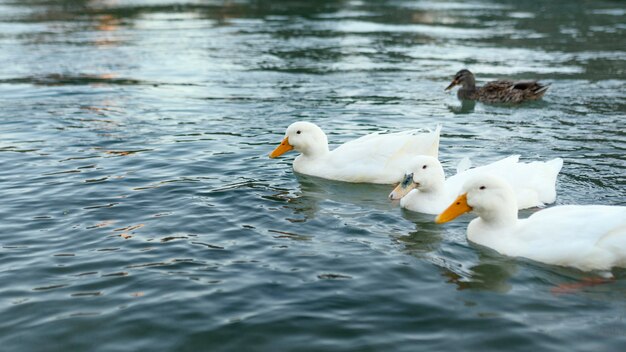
(140, 210)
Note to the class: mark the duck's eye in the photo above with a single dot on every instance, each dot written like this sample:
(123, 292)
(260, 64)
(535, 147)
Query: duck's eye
(424, 167)
(482, 187)
(298, 132)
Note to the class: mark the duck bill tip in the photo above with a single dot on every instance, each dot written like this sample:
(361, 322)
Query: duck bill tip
(454, 83)
(456, 209)
(282, 148)
(406, 186)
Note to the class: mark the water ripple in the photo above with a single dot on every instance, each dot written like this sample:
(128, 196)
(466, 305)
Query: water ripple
(140, 202)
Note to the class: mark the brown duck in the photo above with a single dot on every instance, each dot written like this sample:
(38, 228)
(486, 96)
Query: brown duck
(497, 91)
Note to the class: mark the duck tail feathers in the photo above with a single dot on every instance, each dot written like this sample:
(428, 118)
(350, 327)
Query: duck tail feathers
(438, 129)
(556, 164)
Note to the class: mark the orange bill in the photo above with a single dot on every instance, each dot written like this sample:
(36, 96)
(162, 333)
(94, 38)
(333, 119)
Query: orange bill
(459, 207)
(283, 148)
(454, 83)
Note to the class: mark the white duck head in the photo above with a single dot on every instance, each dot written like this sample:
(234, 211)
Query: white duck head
(490, 197)
(304, 137)
(425, 174)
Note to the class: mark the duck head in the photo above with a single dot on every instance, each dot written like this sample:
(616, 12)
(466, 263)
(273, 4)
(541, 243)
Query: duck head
(490, 197)
(464, 78)
(304, 137)
(424, 174)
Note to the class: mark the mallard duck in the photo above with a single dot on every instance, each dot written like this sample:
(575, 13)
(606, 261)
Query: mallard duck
(586, 237)
(374, 158)
(502, 91)
(425, 188)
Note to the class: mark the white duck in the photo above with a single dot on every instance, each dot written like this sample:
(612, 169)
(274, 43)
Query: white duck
(587, 237)
(425, 188)
(374, 158)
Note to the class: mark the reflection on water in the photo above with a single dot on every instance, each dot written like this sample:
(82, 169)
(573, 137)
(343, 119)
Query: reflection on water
(139, 201)
(466, 107)
(370, 195)
(489, 273)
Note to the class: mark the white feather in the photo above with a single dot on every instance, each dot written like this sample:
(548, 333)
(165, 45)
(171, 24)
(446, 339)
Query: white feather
(374, 158)
(587, 237)
(534, 183)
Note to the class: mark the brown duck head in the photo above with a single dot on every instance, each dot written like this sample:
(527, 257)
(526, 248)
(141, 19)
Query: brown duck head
(464, 78)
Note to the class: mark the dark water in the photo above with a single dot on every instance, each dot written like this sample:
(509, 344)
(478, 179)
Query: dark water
(140, 211)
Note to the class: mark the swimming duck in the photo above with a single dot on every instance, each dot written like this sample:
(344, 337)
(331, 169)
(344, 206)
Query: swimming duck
(586, 237)
(374, 158)
(503, 91)
(425, 188)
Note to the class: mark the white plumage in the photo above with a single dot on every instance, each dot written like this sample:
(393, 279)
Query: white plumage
(430, 192)
(374, 158)
(587, 237)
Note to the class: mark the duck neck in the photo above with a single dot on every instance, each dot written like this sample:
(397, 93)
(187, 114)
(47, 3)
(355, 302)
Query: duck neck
(503, 216)
(493, 229)
(466, 94)
(468, 89)
(315, 150)
(469, 83)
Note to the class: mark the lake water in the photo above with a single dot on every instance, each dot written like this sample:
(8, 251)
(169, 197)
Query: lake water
(140, 211)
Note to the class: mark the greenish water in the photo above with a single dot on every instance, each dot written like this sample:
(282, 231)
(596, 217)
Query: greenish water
(140, 210)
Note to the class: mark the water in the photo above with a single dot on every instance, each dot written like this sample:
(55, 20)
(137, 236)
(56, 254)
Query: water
(140, 210)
